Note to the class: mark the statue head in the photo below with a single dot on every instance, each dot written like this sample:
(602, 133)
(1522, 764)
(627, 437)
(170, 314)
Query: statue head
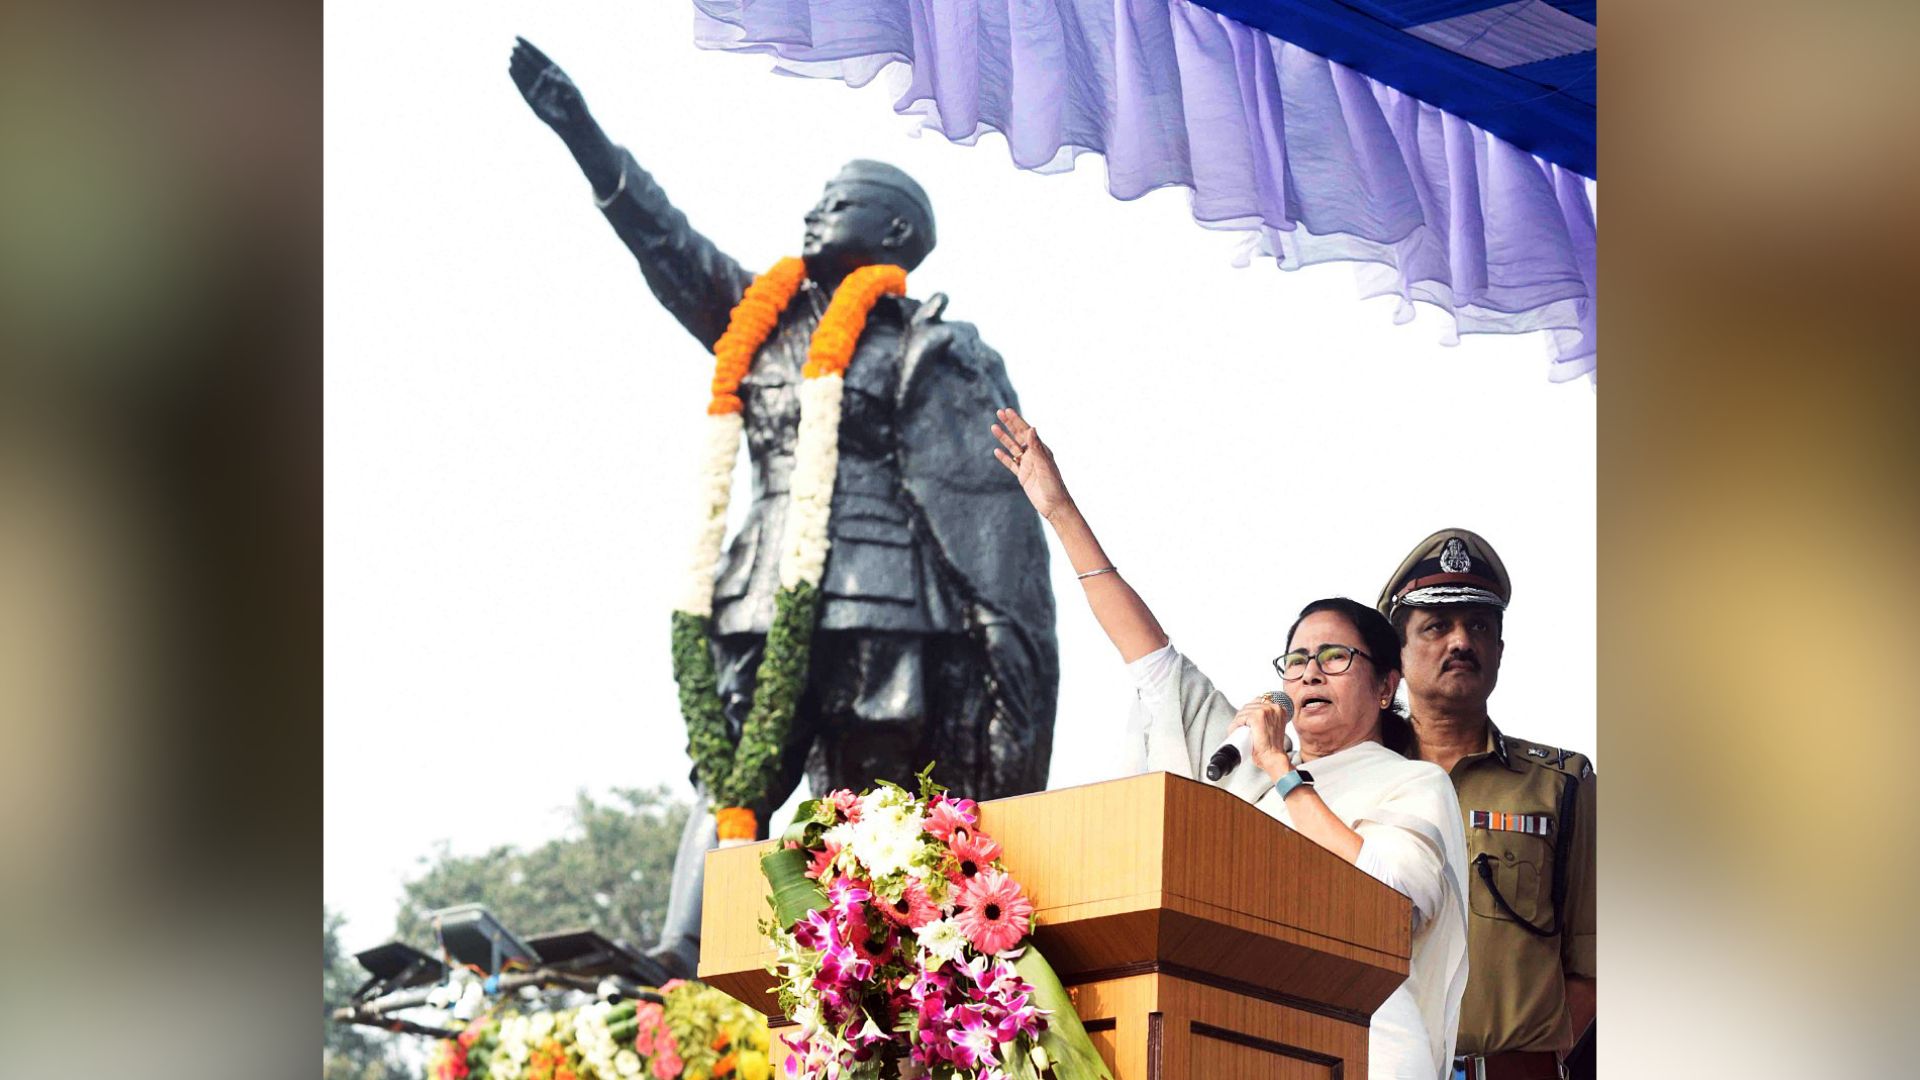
(870, 213)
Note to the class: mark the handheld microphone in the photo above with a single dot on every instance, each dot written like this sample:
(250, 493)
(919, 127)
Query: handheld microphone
(1227, 757)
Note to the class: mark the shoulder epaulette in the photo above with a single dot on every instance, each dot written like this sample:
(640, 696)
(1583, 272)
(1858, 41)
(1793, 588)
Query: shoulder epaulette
(1552, 757)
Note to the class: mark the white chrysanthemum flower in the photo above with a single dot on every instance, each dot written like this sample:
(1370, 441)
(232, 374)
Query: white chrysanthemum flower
(840, 836)
(887, 795)
(626, 1063)
(943, 939)
(886, 838)
(516, 1035)
(541, 1026)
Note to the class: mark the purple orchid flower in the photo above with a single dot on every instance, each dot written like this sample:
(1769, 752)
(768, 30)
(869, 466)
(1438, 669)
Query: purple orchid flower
(813, 931)
(974, 1042)
(1018, 1017)
(845, 896)
(840, 965)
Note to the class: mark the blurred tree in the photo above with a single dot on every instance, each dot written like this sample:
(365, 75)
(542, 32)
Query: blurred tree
(351, 1052)
(610, 872)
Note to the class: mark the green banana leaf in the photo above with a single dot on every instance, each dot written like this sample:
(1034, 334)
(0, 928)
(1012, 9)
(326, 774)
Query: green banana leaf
(794, 893)
(1065, 1040)
(804, 819)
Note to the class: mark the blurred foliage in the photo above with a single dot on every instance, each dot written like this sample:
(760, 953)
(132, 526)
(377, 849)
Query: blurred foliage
(348, 1051)
(611, 872)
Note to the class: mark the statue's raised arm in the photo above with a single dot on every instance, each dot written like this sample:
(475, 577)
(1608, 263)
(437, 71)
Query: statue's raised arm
(692, 278)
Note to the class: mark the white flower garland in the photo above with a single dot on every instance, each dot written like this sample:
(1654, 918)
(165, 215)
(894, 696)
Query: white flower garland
(816, 463)
(736, 768)
(711, 498)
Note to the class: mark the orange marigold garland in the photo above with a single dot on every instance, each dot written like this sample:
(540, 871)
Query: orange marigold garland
(831, 349)
(753, 318)
(736, 776)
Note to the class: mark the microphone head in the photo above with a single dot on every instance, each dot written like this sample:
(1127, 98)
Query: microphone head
(1280, 698)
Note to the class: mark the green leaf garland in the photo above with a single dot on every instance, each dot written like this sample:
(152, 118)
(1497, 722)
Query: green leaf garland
(743, 775)
(707, 740)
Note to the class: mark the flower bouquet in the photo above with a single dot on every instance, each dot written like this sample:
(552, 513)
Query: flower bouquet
(694, 1033)
(901, 948)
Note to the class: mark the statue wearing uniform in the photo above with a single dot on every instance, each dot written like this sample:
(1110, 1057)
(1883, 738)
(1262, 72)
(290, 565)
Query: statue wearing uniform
(935, 634)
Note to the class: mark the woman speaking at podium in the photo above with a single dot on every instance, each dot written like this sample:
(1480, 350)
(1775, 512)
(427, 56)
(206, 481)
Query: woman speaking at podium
(1395, 819)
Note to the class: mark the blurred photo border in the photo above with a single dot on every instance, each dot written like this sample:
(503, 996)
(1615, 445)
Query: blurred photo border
(161, 530)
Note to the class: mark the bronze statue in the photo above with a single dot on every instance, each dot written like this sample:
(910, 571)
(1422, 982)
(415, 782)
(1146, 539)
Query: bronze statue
(935, 635)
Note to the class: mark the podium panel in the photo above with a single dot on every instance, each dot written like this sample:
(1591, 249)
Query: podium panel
(1156, 1026)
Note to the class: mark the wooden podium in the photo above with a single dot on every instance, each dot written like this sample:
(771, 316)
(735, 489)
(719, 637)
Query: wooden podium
(1201, 938)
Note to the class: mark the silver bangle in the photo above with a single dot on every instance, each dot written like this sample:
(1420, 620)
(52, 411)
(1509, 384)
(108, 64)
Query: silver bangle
(1097, 573)
(615, 193)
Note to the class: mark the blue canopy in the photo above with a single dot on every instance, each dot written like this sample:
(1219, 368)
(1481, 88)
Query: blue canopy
(1444, 147)
(1521, 69)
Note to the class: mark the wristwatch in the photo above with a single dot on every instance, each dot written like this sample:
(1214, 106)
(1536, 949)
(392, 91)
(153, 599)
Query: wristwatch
(1294, 779)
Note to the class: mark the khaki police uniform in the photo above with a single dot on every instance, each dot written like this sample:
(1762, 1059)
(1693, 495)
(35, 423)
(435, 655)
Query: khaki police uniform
(1529, 816)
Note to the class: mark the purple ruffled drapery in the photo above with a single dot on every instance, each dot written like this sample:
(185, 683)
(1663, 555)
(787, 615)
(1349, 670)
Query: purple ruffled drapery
(1321, 163)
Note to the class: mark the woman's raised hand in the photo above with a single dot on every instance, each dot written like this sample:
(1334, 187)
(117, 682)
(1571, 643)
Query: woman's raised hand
(1120, 611)
(1031, 462)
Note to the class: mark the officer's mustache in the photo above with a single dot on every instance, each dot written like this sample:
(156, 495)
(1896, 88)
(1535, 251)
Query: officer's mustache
(1464, 659)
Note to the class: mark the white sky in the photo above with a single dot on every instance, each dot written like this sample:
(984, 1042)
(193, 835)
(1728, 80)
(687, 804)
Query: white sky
(511, 421)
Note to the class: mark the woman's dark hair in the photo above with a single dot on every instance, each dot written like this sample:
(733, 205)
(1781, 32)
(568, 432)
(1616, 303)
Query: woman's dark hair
(1382, 643)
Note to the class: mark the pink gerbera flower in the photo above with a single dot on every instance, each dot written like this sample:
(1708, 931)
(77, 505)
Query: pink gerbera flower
(877, 948)
(950, 816)
(913, 910)
(818, 862)
(994, 913)
(847, 803)
(973, 852)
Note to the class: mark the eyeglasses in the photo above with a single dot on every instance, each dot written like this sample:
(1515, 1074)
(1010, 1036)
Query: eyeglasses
(1333, 660)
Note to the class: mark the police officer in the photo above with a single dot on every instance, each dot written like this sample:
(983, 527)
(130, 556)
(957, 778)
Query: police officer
(1529, 813)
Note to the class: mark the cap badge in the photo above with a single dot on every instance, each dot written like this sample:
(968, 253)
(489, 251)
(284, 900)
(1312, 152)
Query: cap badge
(1453, 556)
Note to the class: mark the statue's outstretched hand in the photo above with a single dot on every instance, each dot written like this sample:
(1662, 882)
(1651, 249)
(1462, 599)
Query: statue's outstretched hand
(1031, 462)
(553, 96)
